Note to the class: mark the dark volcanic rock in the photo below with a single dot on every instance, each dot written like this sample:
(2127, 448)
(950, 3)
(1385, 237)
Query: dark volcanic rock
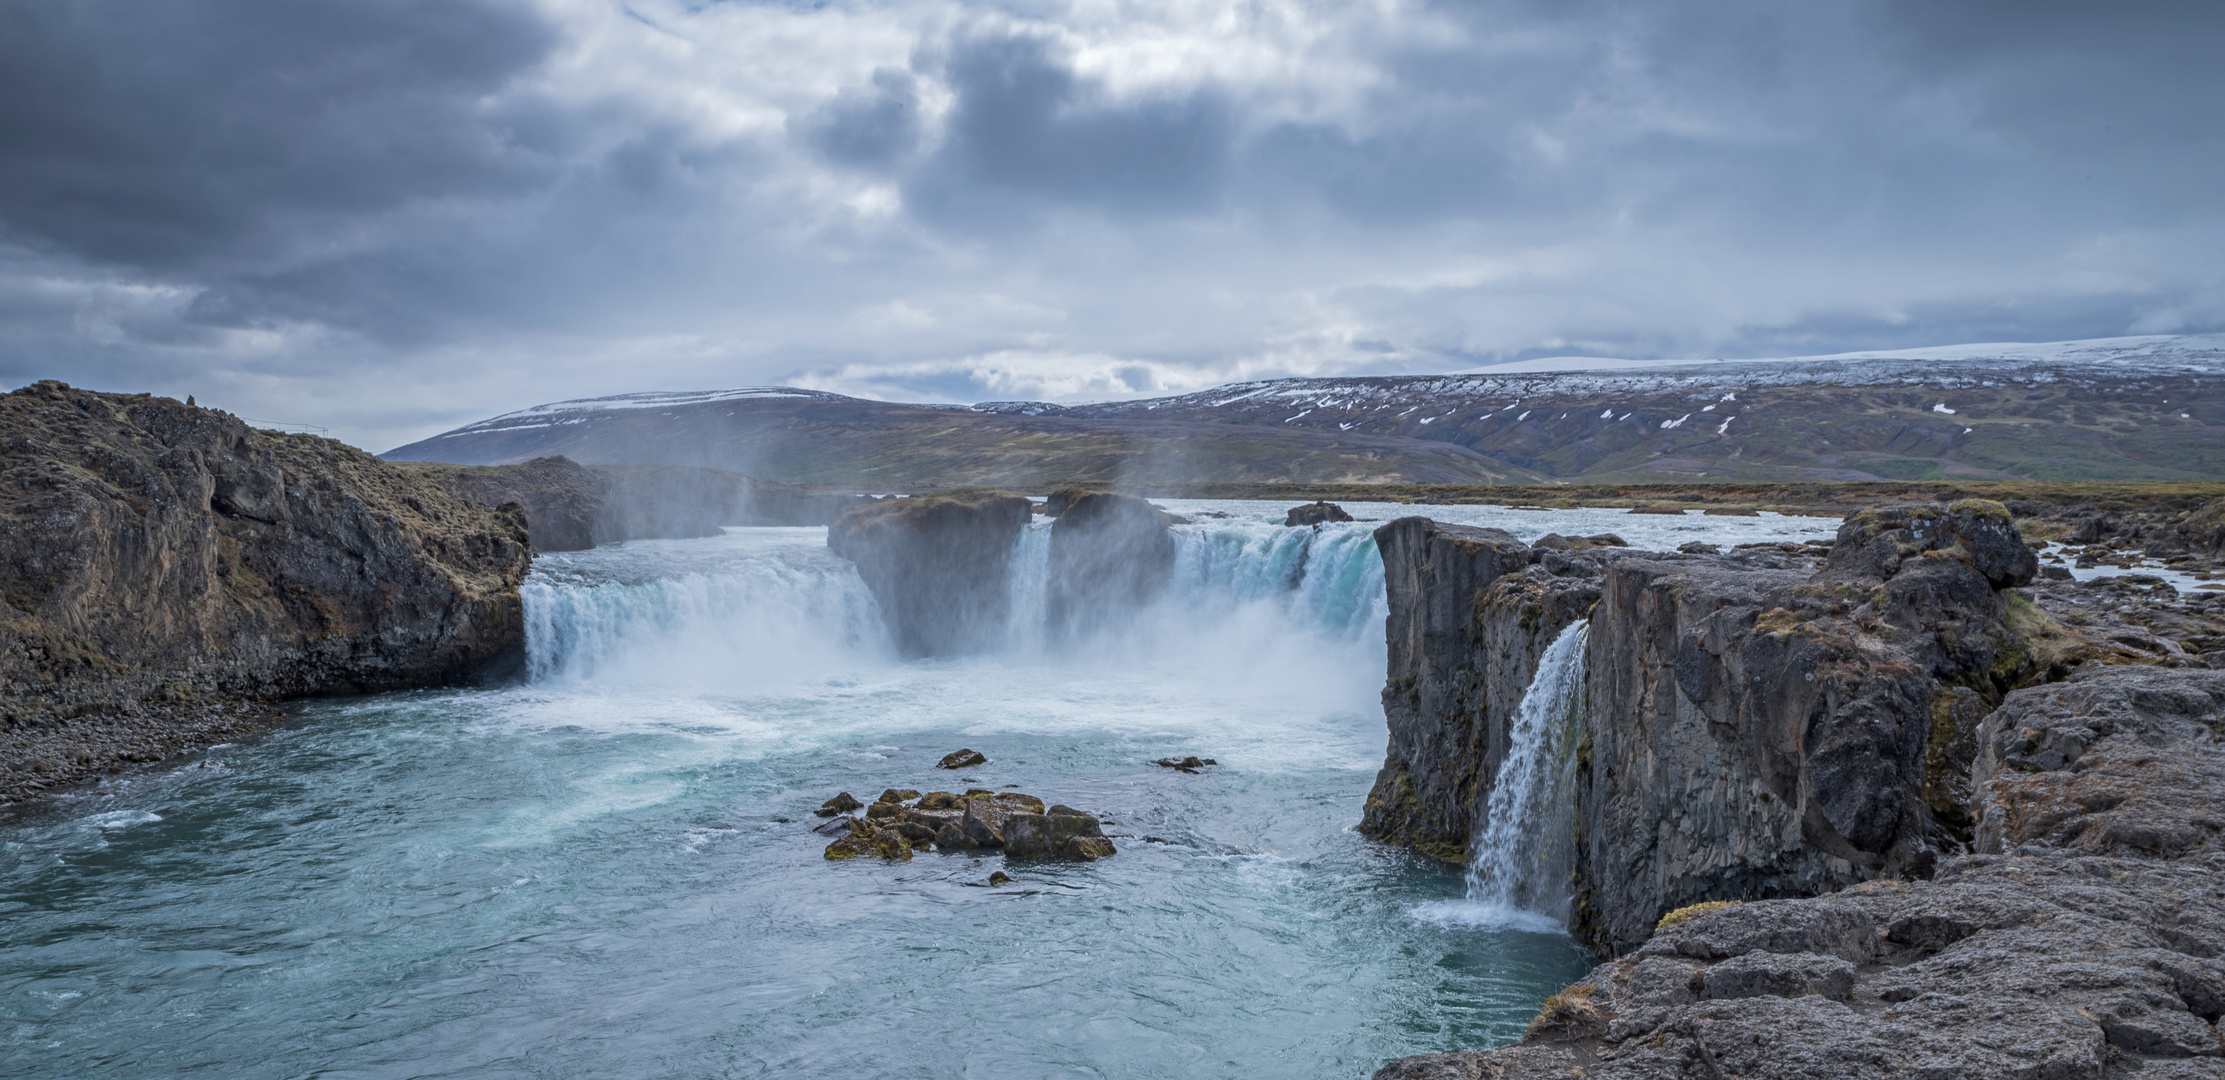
(840, 804)
(2121, 761)
(1759, 723)
(962, 759)
(1055, 836)
(1757, 732)
(1469, 617)
(1314, 513)
(2086, 952)
(160, 564)
(938, 564)
(1110, 555)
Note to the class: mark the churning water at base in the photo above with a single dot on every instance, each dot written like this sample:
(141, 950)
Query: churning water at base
(608, 871)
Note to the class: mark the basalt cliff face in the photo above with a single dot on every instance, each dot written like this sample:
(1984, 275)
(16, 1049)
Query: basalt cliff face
(938, 565)
(1471, 611)
(1778, 732)
(1758, 723)
(1876, 814)
(161, 564)
(2085, 944)
(1110, 555)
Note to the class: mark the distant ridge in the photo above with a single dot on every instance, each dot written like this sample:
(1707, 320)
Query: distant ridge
(2141, 408)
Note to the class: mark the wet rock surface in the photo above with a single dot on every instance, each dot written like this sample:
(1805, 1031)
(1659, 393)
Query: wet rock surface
(1110, 555)
(1471, 612)
(937, 564)
(166, 569)
(1184, 764)
(1017, 824)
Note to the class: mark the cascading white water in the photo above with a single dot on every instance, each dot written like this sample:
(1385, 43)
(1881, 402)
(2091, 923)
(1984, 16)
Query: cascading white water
(1524, 847)
(772, 604)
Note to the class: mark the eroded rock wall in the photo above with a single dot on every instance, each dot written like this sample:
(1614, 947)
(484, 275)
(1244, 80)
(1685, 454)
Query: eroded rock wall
(1471, 611)
(1110, 555)
(159, 562)
(1764, 727)
(2087, 946)
(939, 565)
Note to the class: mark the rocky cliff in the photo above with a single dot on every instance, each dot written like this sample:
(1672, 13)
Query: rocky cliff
(1471, 611)
(939, 565)
(1110, 555)
(1757, 723)
(1780, 732)
(572, 507)
(160, 564)
(2087, 945)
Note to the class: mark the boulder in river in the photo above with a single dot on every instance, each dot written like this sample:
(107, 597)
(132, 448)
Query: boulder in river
(1314, 513)
(979, 819)
(961, 759)
(1055, 835)
(938, 564)
(882, 843)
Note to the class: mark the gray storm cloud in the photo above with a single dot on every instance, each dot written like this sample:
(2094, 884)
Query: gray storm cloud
(390, 216)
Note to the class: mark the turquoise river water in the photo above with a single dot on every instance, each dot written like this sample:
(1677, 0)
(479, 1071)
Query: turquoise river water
(608, 871)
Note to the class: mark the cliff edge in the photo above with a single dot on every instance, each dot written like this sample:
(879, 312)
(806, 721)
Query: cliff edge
(164, 567)
(2086, 944)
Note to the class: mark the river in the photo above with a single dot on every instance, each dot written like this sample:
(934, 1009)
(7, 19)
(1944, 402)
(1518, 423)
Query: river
(609, 870)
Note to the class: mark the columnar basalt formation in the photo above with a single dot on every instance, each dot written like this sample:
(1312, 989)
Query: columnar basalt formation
(2086, 945)
(1776, 733)
(939, 565)
(1110, 555)
(1471, 611)
(1756, 724)
(160, 563)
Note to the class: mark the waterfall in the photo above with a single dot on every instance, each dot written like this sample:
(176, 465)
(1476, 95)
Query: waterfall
(762, 606)
(1524, 847)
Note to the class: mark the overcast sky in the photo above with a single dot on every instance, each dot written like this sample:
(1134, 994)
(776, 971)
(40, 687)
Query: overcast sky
(391, 217)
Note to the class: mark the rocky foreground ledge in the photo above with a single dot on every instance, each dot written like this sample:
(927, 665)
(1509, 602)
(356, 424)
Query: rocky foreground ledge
(1872, 808)
(2086, 940)
(166, 570)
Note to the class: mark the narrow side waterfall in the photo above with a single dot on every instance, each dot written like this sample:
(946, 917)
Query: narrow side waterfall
(1524, 847)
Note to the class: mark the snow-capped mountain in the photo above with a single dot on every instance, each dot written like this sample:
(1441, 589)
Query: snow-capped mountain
(2118, 408)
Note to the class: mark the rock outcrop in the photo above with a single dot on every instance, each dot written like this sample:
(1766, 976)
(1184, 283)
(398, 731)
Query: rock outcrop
(939, 565)
(1110, 555)
(902, 821)
(161, 565)
(1471, 612)
(1758, 723)
(2088, 946)
(1314, 513)
(1758, 732)
(2125, 760)
(573, 507)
